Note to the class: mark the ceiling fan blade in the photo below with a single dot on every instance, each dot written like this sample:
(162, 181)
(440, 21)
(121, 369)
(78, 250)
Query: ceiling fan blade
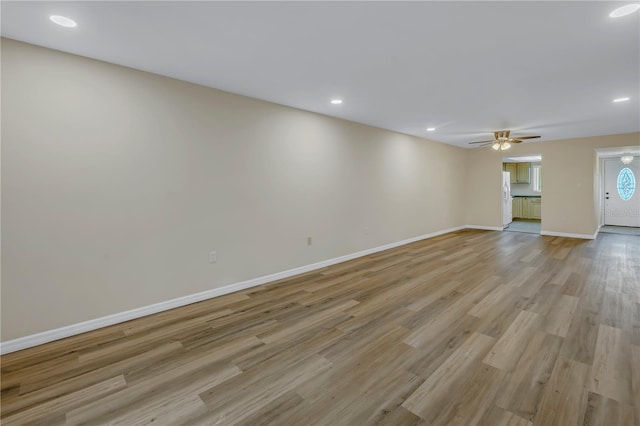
(481, 142)
(506, 133)
(526, 137)
(515, 141)
(496, 135)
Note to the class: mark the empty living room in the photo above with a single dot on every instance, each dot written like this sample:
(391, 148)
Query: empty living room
(320, 213)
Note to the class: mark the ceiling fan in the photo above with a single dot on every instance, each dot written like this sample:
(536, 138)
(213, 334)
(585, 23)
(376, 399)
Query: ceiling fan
(502, 140)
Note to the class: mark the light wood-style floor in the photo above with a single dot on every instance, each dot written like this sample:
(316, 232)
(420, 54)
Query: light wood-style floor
(473, 327)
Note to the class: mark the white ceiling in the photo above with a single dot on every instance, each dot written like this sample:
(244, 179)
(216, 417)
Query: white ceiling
(467, 68)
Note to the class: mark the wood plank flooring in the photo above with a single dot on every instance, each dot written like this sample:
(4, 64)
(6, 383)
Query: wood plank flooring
(472, 327)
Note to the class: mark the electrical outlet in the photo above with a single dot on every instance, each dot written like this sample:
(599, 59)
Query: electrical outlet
(212, 257)
(309, 241)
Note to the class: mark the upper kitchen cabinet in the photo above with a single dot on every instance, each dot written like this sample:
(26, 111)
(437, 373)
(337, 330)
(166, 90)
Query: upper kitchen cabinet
(519, 172)
(512, 168)
(523, 173)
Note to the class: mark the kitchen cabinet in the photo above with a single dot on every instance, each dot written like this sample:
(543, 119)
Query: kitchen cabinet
(522, 172)
(512, 168)
(519, 172)
(517, 207)
(535, 208)
(527, 208)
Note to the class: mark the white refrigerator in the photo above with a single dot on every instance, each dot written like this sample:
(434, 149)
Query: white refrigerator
(507, 200)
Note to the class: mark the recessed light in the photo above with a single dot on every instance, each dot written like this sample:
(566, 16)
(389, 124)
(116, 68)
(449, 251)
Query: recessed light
(336, 101)
(63, 21)
(431, 129)
(625, 10)
(621, 99)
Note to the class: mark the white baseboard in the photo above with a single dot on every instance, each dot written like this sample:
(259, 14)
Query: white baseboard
(486, 228)
(568, 235)
(550, 233)
(94, 324)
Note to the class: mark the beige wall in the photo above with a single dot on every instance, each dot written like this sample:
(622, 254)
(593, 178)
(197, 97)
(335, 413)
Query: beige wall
(117, 183)
(570, 182)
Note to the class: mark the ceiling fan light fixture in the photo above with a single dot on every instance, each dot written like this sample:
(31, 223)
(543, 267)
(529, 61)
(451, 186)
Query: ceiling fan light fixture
(626, 158)
(502, 141)
(501, 145)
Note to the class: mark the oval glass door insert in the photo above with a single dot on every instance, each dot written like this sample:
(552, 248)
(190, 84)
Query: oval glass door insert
(626, 184)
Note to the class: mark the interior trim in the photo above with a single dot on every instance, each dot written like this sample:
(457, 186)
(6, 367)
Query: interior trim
(94, 324)
(568, 235)
(486, 228)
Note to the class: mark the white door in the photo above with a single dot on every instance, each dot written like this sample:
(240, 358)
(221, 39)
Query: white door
(621, 192)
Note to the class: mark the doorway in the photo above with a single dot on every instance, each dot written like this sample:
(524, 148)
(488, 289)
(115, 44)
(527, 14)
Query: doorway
(522, 207)
(621, 206)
